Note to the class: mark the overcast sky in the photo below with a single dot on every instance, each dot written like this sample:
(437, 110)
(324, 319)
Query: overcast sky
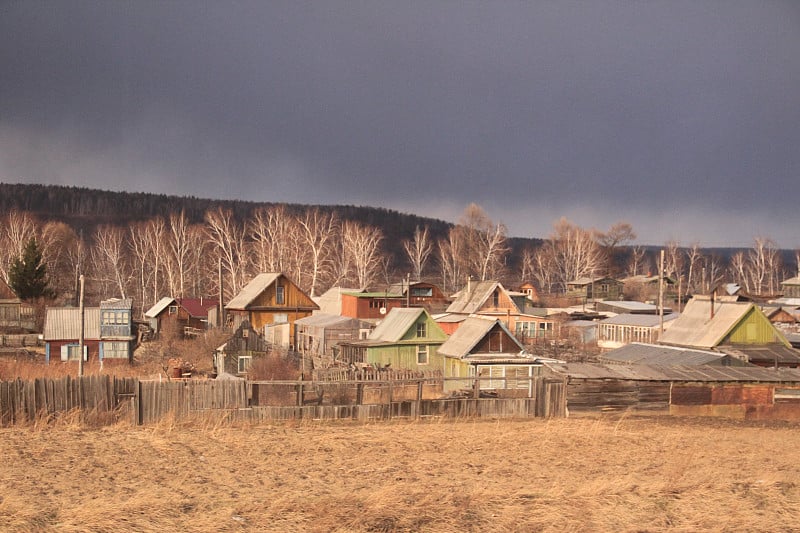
(681, 117)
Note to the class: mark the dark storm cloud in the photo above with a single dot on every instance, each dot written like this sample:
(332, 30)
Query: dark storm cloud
(681, 117)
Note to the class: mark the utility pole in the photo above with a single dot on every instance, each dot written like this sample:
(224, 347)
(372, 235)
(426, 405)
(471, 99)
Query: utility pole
(80, 335)
(661, 295)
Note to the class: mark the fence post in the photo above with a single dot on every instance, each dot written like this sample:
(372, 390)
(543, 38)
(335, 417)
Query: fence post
(476, 388)
(300, 394)
(419, 397)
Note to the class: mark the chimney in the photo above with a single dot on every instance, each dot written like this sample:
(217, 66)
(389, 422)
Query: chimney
(469, 284)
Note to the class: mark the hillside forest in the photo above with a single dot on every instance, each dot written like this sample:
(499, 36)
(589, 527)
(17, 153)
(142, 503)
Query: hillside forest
(146, 247)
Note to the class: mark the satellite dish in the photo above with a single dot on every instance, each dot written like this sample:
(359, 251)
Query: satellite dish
(383, 310)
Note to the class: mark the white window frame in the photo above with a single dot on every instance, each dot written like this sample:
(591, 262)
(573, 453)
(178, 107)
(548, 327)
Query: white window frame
(243, 363)
(422, 350)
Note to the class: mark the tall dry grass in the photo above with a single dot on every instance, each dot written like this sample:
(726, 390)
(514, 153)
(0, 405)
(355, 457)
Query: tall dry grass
(624, 474)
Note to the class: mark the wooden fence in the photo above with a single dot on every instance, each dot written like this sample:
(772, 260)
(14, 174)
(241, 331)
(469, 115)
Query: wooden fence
(26, 400)
(148, 402)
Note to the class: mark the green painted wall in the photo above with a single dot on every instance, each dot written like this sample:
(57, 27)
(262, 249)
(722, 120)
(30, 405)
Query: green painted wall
(754, 328)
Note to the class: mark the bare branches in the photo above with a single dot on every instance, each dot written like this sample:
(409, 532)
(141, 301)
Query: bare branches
(418, 249)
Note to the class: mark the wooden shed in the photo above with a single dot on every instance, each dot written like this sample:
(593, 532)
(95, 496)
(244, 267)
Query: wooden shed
(750, 393)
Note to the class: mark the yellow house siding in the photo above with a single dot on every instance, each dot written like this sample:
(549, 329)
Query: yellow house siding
(754, 328)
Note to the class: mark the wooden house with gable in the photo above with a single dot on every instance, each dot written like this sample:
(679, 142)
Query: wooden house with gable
(107, 332)
(421, 294)
(738, 328)
(588, 288)
(491, 300)
(487, 349)
(271, 299)
(408, 338)
(187, 315)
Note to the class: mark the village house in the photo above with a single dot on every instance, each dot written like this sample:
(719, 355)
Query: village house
(737, 328)
(588, 289)
(319, 335)
(626, 328)
(271, 303)
(108, 332)
(490, 299)
(372, 306)
(15, 316)
(330, 302)
(485, 348)
(646, 287)
(421, 294)
(185, 315)
(791, 287)
(408, 338)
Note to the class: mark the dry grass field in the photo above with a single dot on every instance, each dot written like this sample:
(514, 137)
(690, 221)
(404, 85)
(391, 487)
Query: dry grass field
(578, 474)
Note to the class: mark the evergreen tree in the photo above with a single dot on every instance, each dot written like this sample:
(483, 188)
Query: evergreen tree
(28, 274)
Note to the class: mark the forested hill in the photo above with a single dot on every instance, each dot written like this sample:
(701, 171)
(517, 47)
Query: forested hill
(85, 208)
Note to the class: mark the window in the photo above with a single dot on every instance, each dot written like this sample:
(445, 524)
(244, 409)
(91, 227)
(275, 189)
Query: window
(422, 354)
(422, 329)
(496, 341)
(115, 350)
(244, 363)
(421, 292)
(496, 299)
(111, 318)
(173, 309)
(280, 318)
(280, 294)
(70, 352)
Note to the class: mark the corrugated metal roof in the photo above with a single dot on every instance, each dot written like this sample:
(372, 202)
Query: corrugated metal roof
(470, 301)
(654, 354)
(324, 320)
(772, 353)
(647, 321)
(791, 281)
(252, 290)
(64, 323)
(448, 318)
(628, 305)
(117, 303)
(696, 328)
(676, 373)
(469, 334)
(198, 307)
(396, 324)
(159, 306)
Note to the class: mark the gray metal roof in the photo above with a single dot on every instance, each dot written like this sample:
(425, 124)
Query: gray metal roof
(654, 354)
(791, 281)
(750, 374)
(325, 320)
(159, 306)
(772, 353)
(470, 333)
(252, 290)
(64, 323)
(647, 321)
(470, 301)
(696, 328)
(629, 305)
(396, 324)
(117, 303)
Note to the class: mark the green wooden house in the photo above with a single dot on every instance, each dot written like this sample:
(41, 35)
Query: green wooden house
(738, 328)
(408, 338)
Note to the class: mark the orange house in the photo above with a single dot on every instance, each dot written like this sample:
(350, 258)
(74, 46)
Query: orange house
(270, 299)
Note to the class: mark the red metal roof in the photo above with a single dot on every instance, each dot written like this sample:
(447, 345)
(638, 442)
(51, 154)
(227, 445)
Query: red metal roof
(197, 307)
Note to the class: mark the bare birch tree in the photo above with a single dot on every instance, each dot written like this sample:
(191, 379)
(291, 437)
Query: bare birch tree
(317, 230)
(485, 243)
(16, 229)
(270, 231)
(362, 244)
(110, 260)
(178, 251)
(226, 236)
(575, 252)
(451, 260)
(418, 249)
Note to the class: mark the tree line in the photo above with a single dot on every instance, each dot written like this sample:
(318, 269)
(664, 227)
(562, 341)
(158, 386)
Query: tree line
(173, 255)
